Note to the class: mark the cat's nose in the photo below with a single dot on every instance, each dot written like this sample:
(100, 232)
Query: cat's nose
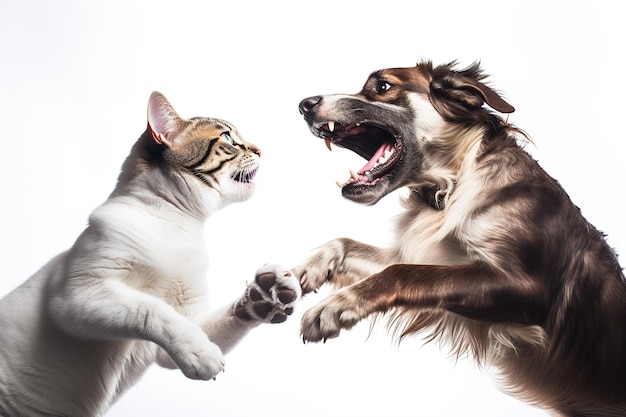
(255, 150)
(306, 106)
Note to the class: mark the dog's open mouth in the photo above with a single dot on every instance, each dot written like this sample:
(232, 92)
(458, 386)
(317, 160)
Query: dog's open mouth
(381, 148)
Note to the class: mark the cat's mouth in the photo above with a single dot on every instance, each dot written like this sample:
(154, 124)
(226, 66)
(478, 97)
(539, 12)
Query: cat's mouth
(245, 176)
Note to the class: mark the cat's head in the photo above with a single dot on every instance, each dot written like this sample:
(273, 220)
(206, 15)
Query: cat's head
(209, 152)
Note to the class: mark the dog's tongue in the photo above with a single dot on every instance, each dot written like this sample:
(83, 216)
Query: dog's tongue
(374, 160)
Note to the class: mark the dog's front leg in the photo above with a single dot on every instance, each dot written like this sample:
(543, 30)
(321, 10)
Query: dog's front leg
(342, 262)
(474, 291)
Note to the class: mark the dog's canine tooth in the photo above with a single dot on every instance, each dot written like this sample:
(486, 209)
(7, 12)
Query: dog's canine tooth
(331, 126)
(339, 184)
(328, 144)
(353, 175)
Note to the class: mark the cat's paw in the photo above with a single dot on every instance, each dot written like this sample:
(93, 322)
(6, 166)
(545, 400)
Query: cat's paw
(198, 358)
(270, 297)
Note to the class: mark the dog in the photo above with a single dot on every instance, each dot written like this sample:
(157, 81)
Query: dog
(490, 257)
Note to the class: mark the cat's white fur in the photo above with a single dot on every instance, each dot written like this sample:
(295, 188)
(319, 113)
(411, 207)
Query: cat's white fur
(130, 292)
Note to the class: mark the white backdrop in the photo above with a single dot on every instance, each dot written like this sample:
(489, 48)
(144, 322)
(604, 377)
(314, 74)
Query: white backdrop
(74, 82)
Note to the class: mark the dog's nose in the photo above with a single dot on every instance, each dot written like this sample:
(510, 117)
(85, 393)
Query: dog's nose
(307, 104)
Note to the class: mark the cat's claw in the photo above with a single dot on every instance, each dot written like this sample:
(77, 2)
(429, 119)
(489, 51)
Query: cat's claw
(270, 297)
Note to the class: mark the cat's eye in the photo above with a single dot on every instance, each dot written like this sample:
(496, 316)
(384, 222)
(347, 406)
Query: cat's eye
(227, 138)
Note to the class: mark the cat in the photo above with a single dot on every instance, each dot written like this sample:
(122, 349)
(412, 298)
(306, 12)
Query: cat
(131, 291)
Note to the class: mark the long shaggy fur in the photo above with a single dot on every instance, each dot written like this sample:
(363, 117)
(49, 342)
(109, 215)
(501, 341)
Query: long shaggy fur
(491, 257)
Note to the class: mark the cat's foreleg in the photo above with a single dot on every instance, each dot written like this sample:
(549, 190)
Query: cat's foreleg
(270, 298)
(108, 309)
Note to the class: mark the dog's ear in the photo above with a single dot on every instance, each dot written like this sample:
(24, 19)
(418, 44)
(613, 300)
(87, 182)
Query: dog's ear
(470, 93)
(491, 97)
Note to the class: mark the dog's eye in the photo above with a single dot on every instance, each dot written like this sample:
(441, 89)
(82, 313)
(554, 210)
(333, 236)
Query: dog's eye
(382, 87)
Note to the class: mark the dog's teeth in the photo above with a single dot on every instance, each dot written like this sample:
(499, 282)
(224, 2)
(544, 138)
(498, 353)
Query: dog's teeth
(353, 175)
(328, 144)
(385, 157)
(339, 184)
(331, 126)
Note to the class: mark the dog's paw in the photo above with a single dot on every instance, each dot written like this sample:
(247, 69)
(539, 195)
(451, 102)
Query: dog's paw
(326, 319)
(321, 267)
(270, 297)
(197, 357)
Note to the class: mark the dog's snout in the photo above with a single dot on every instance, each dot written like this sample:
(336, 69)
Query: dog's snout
(308, 104)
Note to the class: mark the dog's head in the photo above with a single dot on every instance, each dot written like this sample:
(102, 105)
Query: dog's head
(396, 118)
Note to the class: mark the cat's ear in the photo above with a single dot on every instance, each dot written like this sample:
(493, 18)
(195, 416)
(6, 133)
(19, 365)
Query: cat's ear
(163, 121)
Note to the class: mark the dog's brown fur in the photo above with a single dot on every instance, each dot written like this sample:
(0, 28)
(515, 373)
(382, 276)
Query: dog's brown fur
(491, 255)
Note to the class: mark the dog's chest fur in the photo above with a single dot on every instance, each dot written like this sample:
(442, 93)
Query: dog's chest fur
(419, 239)
(437, 236)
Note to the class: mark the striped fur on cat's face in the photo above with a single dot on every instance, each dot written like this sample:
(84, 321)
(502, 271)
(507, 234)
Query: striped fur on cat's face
(210, 150)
